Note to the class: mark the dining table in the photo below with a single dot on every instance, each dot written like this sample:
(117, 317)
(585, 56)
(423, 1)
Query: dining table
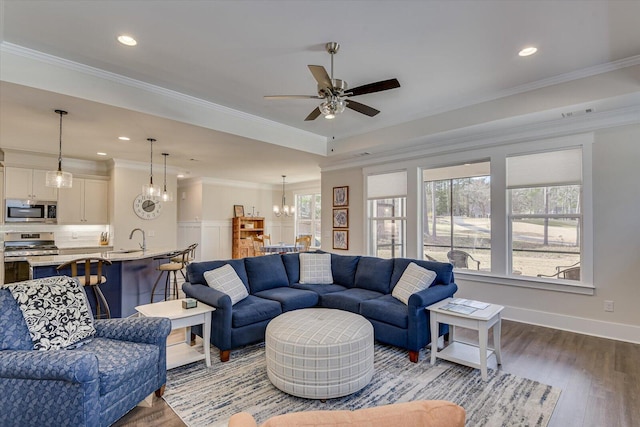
(281, 248)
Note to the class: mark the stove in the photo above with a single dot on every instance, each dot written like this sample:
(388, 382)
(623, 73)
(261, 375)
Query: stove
(21, 245)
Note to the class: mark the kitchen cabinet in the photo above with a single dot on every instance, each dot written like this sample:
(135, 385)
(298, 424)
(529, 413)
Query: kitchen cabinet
(23, 183)
(86, 202)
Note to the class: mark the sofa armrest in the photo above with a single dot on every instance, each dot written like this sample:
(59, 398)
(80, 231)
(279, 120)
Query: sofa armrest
(208, 295)
(432, 295)
(72, 366)
(148, 330)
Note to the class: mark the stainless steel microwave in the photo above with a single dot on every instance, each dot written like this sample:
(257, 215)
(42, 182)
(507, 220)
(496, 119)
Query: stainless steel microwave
(21, 211)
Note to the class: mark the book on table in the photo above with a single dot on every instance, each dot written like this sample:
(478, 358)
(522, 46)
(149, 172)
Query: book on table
(478, 305)
(457, 308)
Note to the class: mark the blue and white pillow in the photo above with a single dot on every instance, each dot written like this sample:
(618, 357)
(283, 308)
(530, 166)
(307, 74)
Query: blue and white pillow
(414, 279)
(315, 268)
(55, 310)
(226, 280)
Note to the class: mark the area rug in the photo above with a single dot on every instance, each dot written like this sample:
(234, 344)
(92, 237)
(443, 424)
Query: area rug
(204, 396)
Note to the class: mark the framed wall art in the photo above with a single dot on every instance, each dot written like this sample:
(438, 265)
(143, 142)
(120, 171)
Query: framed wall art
(341, 239)
(238, 210)
(341, 218)
(341, 196)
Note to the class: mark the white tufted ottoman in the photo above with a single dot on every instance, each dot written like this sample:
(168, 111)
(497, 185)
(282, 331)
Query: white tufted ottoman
(319, 353)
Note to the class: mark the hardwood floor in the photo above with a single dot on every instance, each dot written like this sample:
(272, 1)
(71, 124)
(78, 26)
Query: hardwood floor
(599, 378)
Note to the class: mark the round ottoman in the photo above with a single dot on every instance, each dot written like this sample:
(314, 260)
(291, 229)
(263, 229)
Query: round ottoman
(319, 353)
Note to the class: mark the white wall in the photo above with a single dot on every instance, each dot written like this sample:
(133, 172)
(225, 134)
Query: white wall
(616, 255)
(161, 232)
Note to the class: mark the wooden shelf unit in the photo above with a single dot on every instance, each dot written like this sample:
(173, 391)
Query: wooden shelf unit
(244, 228)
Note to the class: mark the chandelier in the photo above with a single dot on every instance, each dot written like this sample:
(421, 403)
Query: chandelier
(283, 209)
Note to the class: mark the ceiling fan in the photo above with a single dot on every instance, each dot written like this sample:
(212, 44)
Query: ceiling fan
(336, 92)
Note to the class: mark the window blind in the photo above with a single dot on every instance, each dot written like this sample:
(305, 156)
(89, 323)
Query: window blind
(563, 167)
(387, 185)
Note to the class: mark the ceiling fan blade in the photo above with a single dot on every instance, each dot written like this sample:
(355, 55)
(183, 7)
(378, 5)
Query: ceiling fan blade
(292, 97)
(313, 115)
(361, 108)
(321, 76)
(374, 87)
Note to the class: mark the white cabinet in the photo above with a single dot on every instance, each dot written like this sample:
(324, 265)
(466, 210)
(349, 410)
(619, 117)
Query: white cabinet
(86, 202)
(22, 183)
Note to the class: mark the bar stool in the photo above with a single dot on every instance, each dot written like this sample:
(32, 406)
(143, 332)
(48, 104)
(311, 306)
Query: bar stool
(191, 255)
(170, 267)
(91, 280)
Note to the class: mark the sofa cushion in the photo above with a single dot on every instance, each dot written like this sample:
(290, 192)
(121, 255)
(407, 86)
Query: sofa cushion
(414, 279)
(196, 270)
(14, 334)
(226, 280)
(121, 361)
(291, 263)
(290, 298)
(254, 309)
(315, 268)
(265, 272)
(374, 274)
(443, 270)
(55, 310)
(320, 289)
(386, 309)
(348, 300)
(344, 268)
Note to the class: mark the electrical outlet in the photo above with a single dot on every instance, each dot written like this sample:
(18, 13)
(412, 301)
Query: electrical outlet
(152, 233)
(74, 235)
(608, 306)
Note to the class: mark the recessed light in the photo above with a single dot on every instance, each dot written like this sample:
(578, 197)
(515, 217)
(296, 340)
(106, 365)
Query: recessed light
(127, 40)
(124, 138)
(100, 153)
(180, 175)
(528, 51)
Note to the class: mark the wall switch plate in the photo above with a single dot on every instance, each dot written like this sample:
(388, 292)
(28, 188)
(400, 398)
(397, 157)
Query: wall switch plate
(152, 233)
(608, 306)
(74, 235)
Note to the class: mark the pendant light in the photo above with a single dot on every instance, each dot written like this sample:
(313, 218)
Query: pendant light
(58, 178)
(283, 209)
(150, 190)
(167, 196)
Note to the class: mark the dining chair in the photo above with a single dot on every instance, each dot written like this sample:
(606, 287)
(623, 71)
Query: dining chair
(303, 242)
(92, 276)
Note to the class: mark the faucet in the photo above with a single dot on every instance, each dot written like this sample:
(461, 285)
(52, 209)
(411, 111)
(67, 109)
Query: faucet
(143, 246)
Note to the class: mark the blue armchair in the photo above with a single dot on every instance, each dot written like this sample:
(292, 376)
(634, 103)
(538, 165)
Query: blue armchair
(92, 385)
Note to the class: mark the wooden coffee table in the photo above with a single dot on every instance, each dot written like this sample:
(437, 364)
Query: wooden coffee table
(182, 353)
(464, 353)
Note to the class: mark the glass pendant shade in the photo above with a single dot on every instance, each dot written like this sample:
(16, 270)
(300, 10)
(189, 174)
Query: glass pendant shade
(58, 178)
(150, 190)
(166, 196)
(284, 209)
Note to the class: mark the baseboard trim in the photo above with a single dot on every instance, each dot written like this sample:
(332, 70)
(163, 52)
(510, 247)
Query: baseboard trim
(580, 325)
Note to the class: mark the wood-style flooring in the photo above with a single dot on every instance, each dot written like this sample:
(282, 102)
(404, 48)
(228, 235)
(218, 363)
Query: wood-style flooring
(599, 378)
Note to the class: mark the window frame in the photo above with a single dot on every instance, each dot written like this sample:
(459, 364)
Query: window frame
(313, 221)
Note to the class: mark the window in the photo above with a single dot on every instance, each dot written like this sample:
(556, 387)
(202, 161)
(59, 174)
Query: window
(457, 215)
(308, 209)
(387, 214)
(545, 214)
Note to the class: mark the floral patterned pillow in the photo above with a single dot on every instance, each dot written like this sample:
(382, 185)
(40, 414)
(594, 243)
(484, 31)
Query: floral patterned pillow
(56, 311)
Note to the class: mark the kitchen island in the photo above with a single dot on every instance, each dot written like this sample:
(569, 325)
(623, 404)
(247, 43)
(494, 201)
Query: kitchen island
(130, 277)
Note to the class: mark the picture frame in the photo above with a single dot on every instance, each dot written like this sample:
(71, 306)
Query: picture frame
(341, 218)
(341, 239)
(238, 210)
(341, 196)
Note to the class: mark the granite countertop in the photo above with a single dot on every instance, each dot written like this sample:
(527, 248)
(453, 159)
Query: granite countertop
(117, 255)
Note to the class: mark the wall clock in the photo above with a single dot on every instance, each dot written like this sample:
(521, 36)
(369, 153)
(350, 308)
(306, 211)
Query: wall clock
(146, 207)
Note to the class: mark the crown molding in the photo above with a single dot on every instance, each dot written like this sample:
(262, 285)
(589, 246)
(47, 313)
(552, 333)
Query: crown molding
(470, 138)
(225, 183)
(45, 58)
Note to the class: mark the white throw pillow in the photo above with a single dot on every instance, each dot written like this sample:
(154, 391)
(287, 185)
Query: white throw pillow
(414, 279)
(315, 268)
(56, 311)
(226, 280)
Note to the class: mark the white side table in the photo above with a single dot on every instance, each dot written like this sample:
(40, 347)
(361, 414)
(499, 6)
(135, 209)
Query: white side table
(182, 353)
(464, 353)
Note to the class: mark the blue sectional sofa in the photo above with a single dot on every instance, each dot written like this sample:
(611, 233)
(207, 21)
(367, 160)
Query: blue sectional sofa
(361, 284)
